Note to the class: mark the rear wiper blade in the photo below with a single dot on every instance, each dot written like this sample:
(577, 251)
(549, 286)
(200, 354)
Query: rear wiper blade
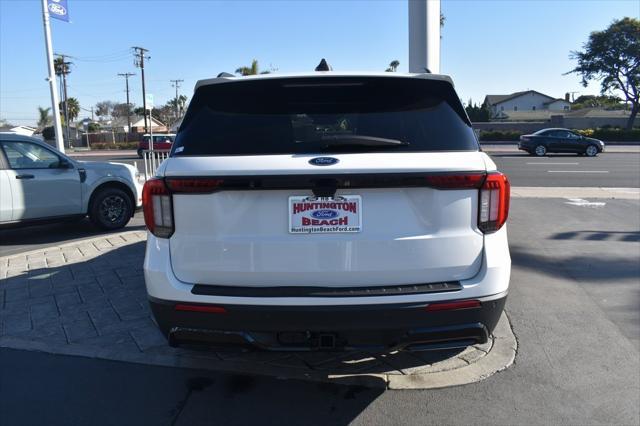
(337, 140)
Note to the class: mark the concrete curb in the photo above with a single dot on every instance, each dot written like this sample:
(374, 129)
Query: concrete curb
(501, 357)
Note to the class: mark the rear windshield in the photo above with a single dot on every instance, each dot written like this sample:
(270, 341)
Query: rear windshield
(324, 115)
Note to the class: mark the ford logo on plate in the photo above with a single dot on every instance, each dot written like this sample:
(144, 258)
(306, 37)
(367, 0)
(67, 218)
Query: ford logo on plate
(324, 214)
(323, 161)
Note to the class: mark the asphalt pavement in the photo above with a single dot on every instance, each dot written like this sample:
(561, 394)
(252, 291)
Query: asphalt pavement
(573, 305)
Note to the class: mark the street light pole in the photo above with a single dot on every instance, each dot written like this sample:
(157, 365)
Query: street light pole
(52, 78)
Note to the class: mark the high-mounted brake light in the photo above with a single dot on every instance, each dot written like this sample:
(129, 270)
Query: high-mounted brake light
(158, 208)
(494, 202)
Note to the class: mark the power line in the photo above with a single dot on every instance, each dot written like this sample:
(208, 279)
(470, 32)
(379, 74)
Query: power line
(138, 61)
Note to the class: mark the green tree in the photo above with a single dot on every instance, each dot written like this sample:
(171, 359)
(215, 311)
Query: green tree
(253, 69)
(181, 101)
(74, 108)
(121, 110)
(104, 109)
(60, 66)
(476, 113)
(612, 56)
(393, 66)
(44, 119)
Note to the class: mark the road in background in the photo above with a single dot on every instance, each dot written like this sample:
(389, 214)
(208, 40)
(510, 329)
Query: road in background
(573, 306)
(566, 170)
(610, 169)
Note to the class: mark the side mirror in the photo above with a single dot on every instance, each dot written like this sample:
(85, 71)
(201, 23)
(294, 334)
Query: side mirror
(65, 164)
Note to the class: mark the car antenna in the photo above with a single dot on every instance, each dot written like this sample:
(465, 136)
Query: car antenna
(225, 74)
(324, 66)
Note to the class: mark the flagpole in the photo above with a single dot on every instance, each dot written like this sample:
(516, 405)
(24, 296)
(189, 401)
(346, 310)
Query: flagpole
(52, 78)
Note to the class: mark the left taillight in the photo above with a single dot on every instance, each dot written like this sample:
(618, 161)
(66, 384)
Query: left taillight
(158, 208)
(495, 195)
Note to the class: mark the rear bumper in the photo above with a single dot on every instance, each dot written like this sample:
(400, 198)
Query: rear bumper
(373, 327)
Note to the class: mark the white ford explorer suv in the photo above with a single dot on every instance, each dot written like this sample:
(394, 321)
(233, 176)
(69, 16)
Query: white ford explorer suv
(327, 211)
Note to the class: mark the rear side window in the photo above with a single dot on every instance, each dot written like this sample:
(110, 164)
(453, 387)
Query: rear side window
(324, 115)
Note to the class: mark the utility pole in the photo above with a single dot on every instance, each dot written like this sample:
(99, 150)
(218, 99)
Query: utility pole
(139, 53)
(176, 84)
(126, 76)
(63, 70)
(52, 77)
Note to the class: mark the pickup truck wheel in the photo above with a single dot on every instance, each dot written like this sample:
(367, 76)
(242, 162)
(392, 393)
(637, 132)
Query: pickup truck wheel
(140, 152)
(110, 208)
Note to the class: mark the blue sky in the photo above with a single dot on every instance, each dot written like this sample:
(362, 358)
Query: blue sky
(488, 47)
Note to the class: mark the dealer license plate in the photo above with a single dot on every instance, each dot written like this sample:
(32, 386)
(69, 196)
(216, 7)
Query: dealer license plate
(321, 215)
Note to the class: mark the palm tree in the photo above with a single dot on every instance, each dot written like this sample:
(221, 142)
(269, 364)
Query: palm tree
(251, 70)
(73, 108)
(393, 66)
(60, 66)
(44, 118)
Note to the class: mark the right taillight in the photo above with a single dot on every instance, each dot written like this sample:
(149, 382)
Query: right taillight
(494, 202)
(158, 208)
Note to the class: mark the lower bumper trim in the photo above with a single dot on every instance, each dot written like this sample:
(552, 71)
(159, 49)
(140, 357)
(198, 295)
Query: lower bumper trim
(308, 328)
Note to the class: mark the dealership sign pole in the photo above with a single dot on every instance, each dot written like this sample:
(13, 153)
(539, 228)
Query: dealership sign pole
(58, 10)
(424, 36)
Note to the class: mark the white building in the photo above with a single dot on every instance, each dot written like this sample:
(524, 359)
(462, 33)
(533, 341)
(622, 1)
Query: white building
(529, 100)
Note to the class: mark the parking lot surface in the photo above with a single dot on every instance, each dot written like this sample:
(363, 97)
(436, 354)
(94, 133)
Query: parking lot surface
(573, 306)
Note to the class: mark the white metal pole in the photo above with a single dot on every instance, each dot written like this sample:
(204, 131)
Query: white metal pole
(424, 36)
(52, 79)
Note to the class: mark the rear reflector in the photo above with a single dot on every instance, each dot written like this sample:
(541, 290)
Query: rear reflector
(493, 208)
(200, 185)
(158, 208)
(456, 180)
(451, 306)
(200, 308)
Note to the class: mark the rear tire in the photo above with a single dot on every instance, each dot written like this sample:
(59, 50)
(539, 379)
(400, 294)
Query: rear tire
(591, 151)
(540, 150)
(110, 209)
(140, 152)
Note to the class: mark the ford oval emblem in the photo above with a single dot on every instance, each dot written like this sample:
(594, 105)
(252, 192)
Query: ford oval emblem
(325, 214)
(323, 161)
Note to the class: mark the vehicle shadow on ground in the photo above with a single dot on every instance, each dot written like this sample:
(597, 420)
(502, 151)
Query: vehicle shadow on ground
(55, 232)
(582, 268)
